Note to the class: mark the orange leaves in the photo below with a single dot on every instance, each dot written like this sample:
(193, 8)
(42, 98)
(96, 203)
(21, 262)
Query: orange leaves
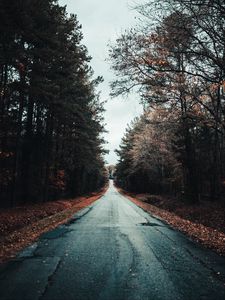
(215, 86)
(222, 83)
(58, 180)
(23, 225)
(21, 67)
(6, 154)
(149, 58)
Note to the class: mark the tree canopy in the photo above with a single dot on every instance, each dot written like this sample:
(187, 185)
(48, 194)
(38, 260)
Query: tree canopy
(51, 141)
(174, 60)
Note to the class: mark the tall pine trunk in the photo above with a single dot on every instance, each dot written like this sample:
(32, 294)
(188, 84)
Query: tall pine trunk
(27, 152)
(47, 162)
(18, 145)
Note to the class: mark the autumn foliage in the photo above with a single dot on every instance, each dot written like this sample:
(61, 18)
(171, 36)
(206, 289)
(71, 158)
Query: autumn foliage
(174, 61)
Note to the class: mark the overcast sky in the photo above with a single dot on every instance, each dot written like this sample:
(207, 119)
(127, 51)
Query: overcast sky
(103, 21)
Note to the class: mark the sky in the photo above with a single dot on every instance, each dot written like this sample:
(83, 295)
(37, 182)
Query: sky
(102, 22)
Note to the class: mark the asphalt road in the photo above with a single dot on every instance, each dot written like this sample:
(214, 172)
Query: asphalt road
(113, 250)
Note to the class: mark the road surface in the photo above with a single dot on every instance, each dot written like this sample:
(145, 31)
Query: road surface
(113, 250)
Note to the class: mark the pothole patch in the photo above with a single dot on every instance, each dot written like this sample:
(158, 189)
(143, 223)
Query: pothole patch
(150, 224)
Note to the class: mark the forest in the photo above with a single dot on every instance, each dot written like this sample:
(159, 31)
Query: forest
(174, 60)
(51, 121)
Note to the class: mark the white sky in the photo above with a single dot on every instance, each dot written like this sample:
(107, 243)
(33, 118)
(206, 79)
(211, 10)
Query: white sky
(103, 21)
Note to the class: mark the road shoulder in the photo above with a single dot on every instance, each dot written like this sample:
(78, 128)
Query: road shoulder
(211, 238)
(29, 223)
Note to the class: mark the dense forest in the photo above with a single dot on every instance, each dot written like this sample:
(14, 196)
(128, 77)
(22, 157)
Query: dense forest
(51, 121)
(175, 60)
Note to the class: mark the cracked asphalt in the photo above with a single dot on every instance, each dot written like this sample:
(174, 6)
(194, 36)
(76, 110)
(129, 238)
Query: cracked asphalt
(113, 250)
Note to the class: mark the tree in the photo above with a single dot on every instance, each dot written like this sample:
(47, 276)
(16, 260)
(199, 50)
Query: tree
(152, 166)
(174, 62)
(51, 117)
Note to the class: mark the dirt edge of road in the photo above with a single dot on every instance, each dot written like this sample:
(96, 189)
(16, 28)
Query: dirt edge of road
(15, 239)
(209, 237)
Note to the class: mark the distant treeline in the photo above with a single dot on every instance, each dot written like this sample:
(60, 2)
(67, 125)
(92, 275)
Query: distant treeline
(175, 60)
(50, 114)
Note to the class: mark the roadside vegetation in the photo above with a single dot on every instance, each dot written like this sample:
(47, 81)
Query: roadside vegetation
(174, 61)
(51, 122)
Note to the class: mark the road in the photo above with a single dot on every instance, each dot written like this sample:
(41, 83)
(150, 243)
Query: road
(113, 250)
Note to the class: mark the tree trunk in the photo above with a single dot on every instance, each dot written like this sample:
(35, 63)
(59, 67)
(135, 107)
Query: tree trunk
(18, 147)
